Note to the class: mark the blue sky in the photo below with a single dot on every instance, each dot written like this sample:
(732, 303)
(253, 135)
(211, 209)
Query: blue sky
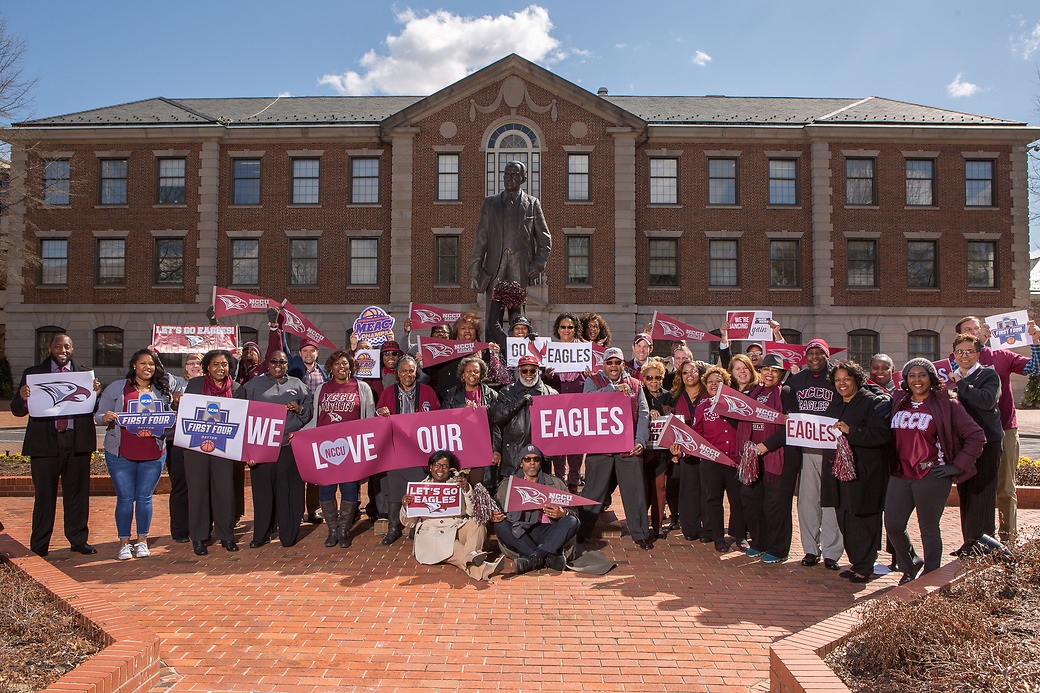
(966, 56)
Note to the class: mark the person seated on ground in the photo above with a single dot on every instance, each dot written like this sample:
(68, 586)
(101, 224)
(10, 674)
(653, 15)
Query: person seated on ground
(538, 536)
(456, 539)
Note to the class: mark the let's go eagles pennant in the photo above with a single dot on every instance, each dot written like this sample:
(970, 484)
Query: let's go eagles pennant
(235, 429)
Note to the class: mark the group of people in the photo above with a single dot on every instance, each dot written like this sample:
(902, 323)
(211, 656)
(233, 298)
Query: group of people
(902, 446)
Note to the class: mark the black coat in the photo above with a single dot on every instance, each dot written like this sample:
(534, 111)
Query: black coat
(979, 393)
(456, 399)
(41, 437)
(868, 436)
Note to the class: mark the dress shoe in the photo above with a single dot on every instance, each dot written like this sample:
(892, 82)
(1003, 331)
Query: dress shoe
(525, 564)
(42, 553)
(810, 560)
(847, 573)
(182, 540)
(644, 544)
(721, 546)
(392, 535)
(705, 540)
(312, 518)
(85, 549)
(477, 558)
(910, 577)
(830, 564)
(257, 543)
(556, 562)
(199, 547)
(742, 545)
(230, 545)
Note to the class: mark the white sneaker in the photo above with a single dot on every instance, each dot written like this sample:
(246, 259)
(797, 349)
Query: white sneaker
(126, 552)
(141, 549)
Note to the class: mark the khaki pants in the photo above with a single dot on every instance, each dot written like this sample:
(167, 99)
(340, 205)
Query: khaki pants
(1007, 498)
(470, 538)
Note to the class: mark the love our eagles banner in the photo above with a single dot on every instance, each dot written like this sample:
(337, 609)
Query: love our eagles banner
(61, 394)
(592, 422)
(353, 450)
(235, 429)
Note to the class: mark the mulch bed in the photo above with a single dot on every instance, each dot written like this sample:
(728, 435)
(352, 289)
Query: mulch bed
(39, 641)
(981, 633)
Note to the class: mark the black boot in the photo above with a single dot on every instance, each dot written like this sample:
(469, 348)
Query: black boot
(328, 509)
(347, 514)
(393, 530)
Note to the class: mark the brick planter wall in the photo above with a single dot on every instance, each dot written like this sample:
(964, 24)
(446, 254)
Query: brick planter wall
(100, 485)
(129, 662)
(1028, 497)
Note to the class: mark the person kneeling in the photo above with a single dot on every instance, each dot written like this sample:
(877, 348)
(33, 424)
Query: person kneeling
(454, 539)
(538, 536)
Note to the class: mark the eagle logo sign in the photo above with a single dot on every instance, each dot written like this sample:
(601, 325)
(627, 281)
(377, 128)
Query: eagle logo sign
(670, 329)
(292, 320)
(428, 315)
(789, 355)
(63, 391)
(531, 495)
(438, 351)
(736, 406)
(233, 302)
(194, 340)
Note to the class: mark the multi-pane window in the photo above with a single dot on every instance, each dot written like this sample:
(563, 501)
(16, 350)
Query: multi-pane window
(722, 181)
(108, 347)
(113, 174)
(169, 261)
(982, 265)
(923, 344)
(446, 271)
(512, 141)
(245, 261)
(364, 181)
(921, 265)
(111, 261)
(364, 261)
(664, 181)
(245, 181)
(579, 260)
(859, 181)
(722, 263)
(663, 265)
(303, 261)
(578, 177)
(783, 181)
(920, 182)
(54, 261)
(447, 176)
(56, 179)
(305, 181)
(978, 183)
(248, 334)
(791, 336)
(44, 337)
(862, 345)
(783, 264)
(171, 181)
(861, 261)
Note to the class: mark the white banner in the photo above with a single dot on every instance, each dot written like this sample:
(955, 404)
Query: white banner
(520, 346)
(235, 429)
(568, 357)
(1008, 330)
(749, 324)
(812, 431)
(61, 394)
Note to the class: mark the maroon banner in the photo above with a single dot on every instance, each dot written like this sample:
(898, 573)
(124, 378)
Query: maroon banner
(731, 404)
(299, 325)
(792, 354)
(597, 357)
(436, 351)
(692, 443)
(423, 315)
(591, 422)
(666, 327)
(462, 431)
(265, 429)
(528, 495)
(192, 339)
(348, 451)
(230, 302)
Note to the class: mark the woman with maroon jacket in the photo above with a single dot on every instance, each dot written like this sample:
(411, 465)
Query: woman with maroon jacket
(937, 443)
(687, 391)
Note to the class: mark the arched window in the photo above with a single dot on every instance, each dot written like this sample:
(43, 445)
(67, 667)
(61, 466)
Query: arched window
(862, 345)
(513, 141)
(108, 347)
(923, 344)
(44, 335)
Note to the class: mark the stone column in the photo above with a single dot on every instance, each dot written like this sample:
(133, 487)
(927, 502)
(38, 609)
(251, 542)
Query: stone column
(401, 177)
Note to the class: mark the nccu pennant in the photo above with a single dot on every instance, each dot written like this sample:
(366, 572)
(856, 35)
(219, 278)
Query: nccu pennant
(792, 354)
(299, 325)
(436, 351)
(666, 327)
(675, 432)
(423, 315)
(528, 495)
(731, 404)
(230, 302)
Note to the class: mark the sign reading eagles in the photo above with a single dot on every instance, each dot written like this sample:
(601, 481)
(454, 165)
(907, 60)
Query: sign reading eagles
(235, 429)
(61, 394)
(147, 417)
(430, 499)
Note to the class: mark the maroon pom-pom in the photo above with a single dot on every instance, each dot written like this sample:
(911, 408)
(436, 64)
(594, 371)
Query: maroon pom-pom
(747, 472)
(844, 467)
(510, 294)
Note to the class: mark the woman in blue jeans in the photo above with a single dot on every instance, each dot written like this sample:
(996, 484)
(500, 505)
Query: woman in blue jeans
(135, 461)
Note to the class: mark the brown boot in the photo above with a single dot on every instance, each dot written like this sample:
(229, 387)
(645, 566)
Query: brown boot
(328, 509)
(347, 515)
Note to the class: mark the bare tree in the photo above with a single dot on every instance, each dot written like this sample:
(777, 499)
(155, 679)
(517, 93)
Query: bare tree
(15, 87)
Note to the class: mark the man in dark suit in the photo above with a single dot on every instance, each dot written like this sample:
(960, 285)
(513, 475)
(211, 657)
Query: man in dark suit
(512, 244)
(58, 448)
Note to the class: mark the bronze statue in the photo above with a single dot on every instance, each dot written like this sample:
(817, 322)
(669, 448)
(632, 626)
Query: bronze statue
(513, 244)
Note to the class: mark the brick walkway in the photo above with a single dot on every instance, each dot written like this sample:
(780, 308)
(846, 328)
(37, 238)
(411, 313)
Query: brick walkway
(369, 618)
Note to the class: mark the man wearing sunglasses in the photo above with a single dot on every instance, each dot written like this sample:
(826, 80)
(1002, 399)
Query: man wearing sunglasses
(512, 412)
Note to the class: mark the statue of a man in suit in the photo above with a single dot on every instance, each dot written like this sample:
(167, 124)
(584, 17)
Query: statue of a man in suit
(513, 244)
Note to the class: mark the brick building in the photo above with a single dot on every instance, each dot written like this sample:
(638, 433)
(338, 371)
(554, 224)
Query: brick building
(869, 222)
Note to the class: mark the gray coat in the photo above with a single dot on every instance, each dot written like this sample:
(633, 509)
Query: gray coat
(111, 399)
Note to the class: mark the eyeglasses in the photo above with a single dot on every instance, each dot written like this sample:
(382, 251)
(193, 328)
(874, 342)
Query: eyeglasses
(531, 458)
(965, 352)
(278, 361)
(566, 327)
(528, 371)
(442, 465)
(653, 377)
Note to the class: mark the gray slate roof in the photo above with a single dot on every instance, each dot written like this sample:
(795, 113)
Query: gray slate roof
(368, 110)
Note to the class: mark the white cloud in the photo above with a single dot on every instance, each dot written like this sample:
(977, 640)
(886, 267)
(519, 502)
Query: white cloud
(1026, 43)
(620, 46)
(439, 48)
(958, 87)
(284, 94)
(701, 58)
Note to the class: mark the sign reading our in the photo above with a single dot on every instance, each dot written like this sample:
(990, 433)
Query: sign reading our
(462, 431)
(667, 327)
(193, 339)
(430, 499)
(61, 394)
(422, 315)
(235, 429)
(812, 431)
(522, 346)
(593, 422)
(749, 324)
(1009, 330)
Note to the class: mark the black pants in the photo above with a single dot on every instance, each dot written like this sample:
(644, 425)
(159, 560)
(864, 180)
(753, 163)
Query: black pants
(862, 538)
(74, 472)
(277, 497)
(178, 492)
(717, 479)
(210, 488)
(239, 471)
(752, 500)
(545, 539)
(777, 502)
(979, 495)
(395, 485)
(311, 501)
(599, 471)
(691, 516)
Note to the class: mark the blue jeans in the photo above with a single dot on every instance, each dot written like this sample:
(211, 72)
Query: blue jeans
(135, 483)
(347, 489)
